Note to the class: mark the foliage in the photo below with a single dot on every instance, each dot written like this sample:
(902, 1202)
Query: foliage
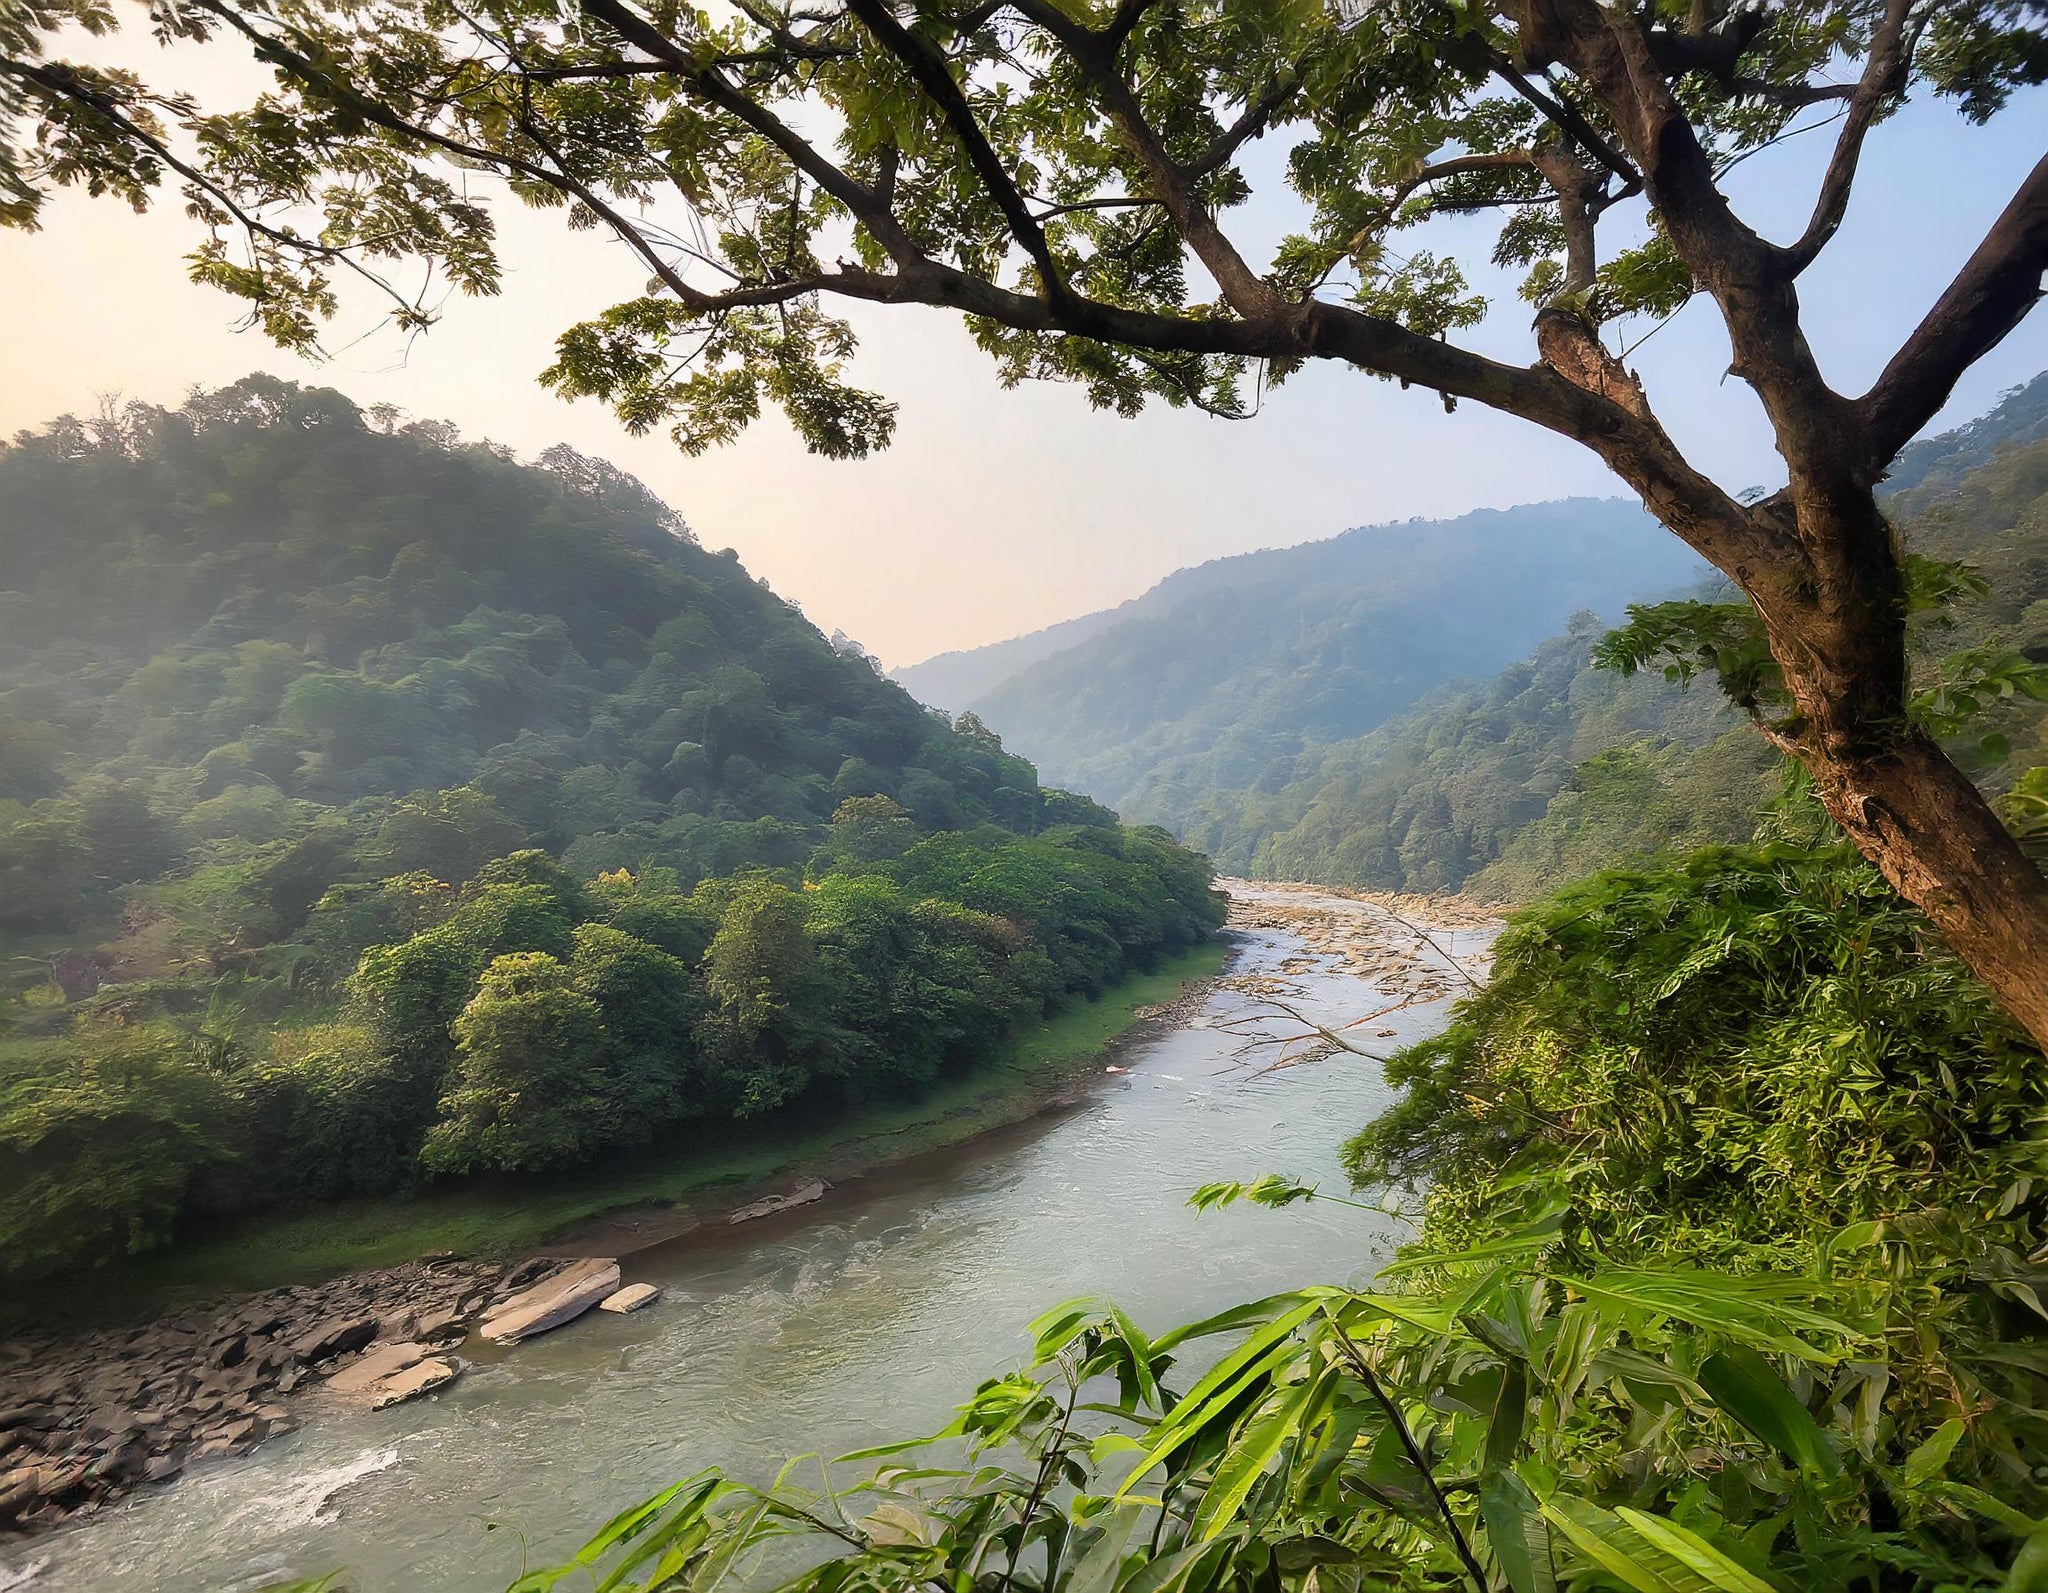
(1726, 1284)
(314, 730)
(531, 1023)
(1731, 1052)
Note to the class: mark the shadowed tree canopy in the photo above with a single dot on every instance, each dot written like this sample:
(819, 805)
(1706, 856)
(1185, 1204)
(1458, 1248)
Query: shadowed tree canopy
(1062, 172)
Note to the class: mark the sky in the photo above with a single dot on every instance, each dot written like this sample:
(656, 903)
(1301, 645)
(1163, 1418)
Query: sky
(998, 512)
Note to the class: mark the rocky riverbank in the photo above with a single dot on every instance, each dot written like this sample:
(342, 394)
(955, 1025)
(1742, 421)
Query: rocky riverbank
(87, 1418)
(84, 1419)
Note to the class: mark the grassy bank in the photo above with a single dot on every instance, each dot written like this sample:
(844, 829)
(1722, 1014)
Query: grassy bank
(483, 1219)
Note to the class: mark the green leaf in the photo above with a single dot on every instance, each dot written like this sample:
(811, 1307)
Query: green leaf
(1510, 1411)
(1931, 1457)
(1650, 1554)
(1208, 1400)
(1748, 1388)
(1516, 1529)
(2029, 1572)
(1248, 1458)
(1763, 1311)
(1694, 1552)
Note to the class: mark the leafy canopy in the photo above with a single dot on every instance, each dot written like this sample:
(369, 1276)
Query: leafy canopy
(1055, 169)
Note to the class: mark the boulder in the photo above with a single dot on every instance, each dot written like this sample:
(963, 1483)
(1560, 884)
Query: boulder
(771, 1204)
(386, 1360)
(422, 1377)
(561, 1298)
(630, 1298)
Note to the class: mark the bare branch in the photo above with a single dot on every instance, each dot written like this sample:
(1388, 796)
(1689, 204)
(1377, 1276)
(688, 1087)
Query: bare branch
(1884, 75)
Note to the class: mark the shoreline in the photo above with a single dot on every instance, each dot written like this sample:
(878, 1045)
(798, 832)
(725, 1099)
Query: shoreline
(630, 1230)
(87, 1416)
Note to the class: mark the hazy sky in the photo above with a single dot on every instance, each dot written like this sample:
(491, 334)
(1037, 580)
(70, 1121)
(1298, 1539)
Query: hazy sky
(999, 512)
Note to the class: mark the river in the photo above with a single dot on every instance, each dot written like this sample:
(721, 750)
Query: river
(864, 1317)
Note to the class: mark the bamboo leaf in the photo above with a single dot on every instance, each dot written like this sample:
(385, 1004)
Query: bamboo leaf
(1695, 1553)
(1931, 1457)
(1516, 1529)
(1748, 1388)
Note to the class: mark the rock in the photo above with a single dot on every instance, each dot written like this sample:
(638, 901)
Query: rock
(440, 1324)
(562, 1298)
(37, 1417)
(384, 1361)
(770, 1205)
(630, 1298)
(162, 1468)
(124, 1461)
(335, 1336)
(230, 1351)
(528, 1273)
(423, 1377)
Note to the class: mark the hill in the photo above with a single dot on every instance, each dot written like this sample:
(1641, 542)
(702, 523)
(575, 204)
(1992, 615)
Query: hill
(1225, 668)
(377, 809)
(952, 681)
(1552, 769)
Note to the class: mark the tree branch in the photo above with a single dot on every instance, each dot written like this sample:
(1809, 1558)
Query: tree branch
(54, 80)
(1990, 296)
(709, 85)
(934, 74)
(1884, 74)
(1246, 291)
(1459, 166)
(1251, 122)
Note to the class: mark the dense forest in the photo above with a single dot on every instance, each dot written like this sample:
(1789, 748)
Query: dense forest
(1554, 767)
(1224, 671)
(375, 808)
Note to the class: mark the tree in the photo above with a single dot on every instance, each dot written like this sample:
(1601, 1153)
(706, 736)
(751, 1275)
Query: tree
(1057, 169)
(872, 829)
(531, 1084)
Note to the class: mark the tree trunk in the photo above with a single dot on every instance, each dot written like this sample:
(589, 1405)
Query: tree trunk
(1914, 814)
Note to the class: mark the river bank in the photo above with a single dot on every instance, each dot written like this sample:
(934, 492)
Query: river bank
(847, 1321)
(87, 1416)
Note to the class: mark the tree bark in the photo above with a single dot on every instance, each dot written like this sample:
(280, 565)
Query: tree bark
(1928, 829)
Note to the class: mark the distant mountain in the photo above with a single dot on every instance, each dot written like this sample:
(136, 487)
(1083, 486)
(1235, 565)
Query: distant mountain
(1552, 768)
(953, 680)
(1223, 670)
(1935, 463)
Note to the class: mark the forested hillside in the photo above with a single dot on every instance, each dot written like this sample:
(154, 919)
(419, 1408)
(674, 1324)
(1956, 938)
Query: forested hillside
(1431, 801)
(374, 807)
(1224, 669)
(1553, 768)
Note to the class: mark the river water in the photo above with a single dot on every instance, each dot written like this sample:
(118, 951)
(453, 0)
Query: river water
(865, 1317)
